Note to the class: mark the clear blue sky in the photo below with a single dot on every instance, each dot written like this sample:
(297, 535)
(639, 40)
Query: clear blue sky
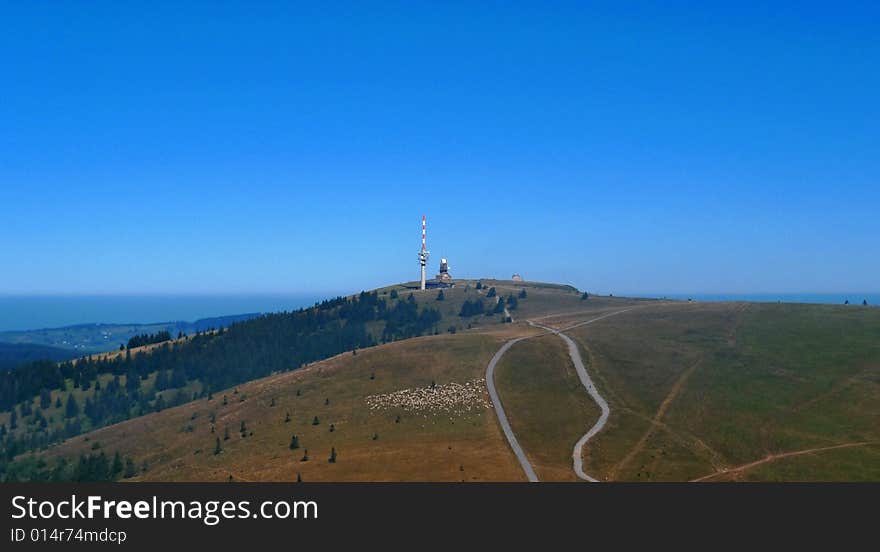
(259, 147)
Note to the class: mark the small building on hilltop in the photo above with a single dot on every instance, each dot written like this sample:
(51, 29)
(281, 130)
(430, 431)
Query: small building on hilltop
(444, 275)
(443, 279)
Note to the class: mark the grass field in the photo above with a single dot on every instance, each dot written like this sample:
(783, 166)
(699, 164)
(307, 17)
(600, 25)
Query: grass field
(701, 388)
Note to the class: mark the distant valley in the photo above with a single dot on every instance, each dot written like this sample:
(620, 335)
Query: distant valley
(13, 354)
(84, 339)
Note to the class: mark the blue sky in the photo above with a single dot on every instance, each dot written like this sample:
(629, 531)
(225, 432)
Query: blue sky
(263, 147)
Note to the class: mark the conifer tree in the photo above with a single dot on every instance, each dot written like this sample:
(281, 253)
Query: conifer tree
(45, 398)
(116, 469)
(72, 409)
(130, 470)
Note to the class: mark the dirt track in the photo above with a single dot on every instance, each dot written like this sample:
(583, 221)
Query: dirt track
(779, 456)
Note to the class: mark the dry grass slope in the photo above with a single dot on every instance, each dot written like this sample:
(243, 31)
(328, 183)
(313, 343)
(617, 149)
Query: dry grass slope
(451, 445)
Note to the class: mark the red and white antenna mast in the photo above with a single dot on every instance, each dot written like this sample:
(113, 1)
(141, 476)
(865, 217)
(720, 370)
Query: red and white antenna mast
(423, 254)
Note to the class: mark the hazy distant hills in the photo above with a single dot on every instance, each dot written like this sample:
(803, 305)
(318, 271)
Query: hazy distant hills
(72, 341)
(13, 354)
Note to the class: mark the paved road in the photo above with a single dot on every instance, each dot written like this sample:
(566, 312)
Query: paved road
(575, 355)
(502, 417)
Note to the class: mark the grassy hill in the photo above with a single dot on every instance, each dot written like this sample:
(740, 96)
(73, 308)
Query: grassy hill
(740, 391)
(398, 442)
(111, 388)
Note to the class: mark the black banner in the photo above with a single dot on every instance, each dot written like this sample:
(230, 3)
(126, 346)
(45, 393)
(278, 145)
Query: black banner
(225, 515)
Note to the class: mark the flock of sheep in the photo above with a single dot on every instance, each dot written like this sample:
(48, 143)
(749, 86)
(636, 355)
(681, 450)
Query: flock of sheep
(449, 399)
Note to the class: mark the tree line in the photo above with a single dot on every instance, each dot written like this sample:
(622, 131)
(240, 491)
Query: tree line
(148, 339)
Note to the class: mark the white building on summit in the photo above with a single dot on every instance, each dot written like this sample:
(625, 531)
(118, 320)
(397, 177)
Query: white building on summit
(444, 271)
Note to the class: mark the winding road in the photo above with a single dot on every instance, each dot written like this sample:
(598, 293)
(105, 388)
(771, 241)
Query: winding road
(502, 417)
(574, 353)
